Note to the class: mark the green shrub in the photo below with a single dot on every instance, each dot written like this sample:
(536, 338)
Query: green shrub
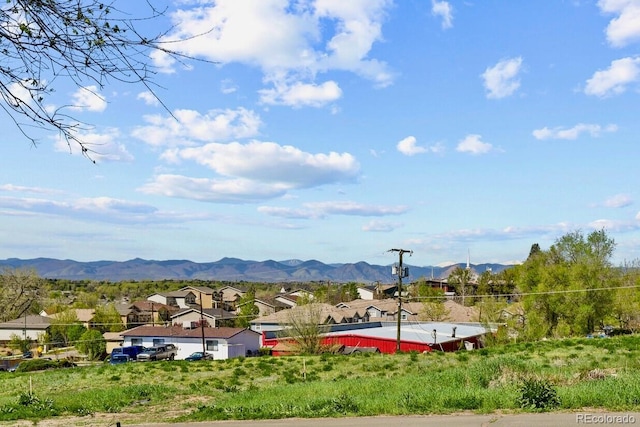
(538, 395)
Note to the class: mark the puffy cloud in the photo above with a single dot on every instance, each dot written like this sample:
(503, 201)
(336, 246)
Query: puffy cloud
(302, 94)
(625, 28)
(253, 171)
(615, 79)
(572, 133)
(274, 163)
(289, 41)
(473, 144)
(501, 80)
(408, 146)
(148, 98)
(444, 10)
(618, 201)
(88, 99)
(188, 127)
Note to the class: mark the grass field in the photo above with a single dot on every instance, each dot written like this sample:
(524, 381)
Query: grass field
(580, 373)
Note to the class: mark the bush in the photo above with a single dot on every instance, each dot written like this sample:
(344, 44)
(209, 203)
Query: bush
(43, 364)
(538, 395)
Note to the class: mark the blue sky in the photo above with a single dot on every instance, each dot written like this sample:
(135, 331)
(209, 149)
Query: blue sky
(336, 130)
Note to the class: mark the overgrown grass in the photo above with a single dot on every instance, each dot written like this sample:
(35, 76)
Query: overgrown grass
(593, 373)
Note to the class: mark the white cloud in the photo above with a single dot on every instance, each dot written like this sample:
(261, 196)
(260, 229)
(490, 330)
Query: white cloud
(615, 79)
(501, 80)
(102, 147)
(269, 162)
(252, 172)
(358, 209)
(227, 86)
(88, 99)
(290, 42)
(444, 10)
(618, 201)
(473, 144)
(314, 210)
(301, 94)
(572, 133)
(408, 146)
(380, 226)
(213, 190)
(148, 98)
(625, 28)
(190, 127)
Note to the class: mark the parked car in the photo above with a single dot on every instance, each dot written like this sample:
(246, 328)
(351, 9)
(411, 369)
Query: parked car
(132, 351)
(198, 355)
(161, 352)
(119, 358)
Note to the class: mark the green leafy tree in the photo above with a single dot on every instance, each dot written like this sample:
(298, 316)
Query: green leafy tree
(107, 319)
(21, 292)
(65, 328)
(19, 343)
(565, 285)
(248, 310)
(304, 327)
(461, 278)
(92, 343)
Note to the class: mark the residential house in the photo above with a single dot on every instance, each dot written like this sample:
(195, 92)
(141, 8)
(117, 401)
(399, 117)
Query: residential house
(84, 315)
(180, 299)
(145, 312)
(378, 291)
(112, 340)
(29, 327)
(205, 295)
(222, 343)
(213, 316)
(231, 296)
(267, 306)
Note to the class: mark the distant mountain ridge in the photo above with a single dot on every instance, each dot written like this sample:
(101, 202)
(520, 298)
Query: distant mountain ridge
(229, 269)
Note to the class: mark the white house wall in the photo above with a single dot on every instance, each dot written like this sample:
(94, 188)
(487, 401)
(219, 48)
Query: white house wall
(186, 346)
(32, 334)
(158, 298)
(192, 316)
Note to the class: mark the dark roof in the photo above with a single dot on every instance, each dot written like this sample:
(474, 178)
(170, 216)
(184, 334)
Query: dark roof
(32, 322)
(179, 331)
(217, 313)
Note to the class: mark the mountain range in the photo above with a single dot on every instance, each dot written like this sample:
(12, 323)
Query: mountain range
(229, 269)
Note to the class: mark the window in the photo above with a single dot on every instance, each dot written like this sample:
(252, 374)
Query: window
(212, 345)
(158, 341)
(404, 316)
(136, 341)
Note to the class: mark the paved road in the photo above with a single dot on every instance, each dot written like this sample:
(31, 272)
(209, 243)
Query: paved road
(460, 420)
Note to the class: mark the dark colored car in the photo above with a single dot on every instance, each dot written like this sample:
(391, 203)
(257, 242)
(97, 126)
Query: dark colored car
(117, 359)
(132, 351)
(198, 355)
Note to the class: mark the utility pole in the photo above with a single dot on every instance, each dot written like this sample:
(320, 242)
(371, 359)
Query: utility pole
(401, 272)
(204, 346)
